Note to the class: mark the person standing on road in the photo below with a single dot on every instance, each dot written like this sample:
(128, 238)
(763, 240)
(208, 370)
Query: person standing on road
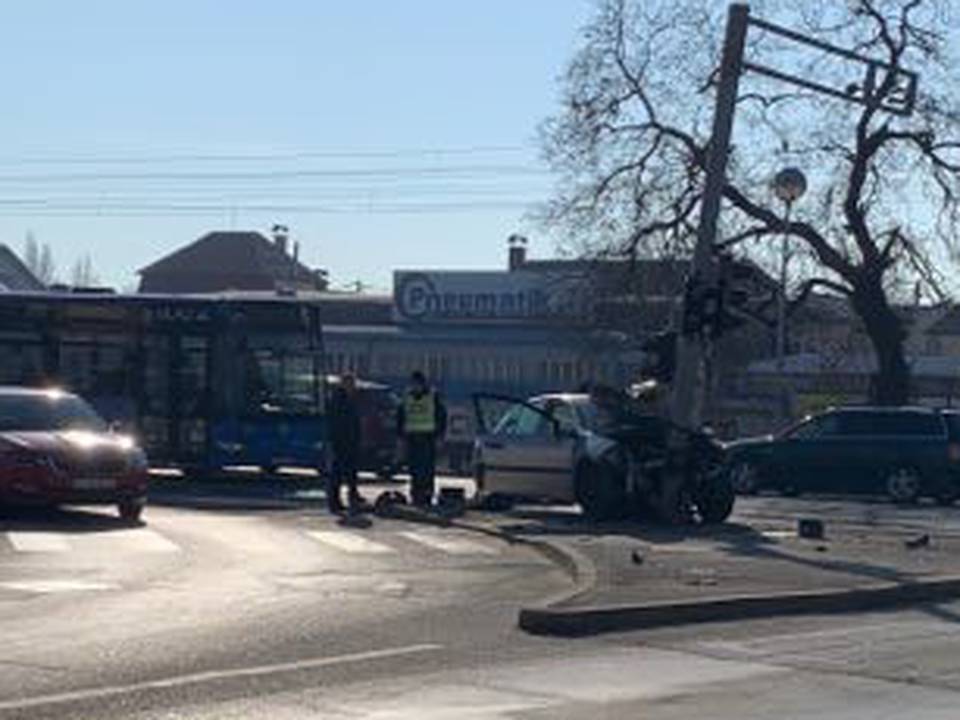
(344, 434)
(421, 419)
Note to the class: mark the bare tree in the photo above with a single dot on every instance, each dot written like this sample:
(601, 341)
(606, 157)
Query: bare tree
(39, 259)
(82, 274)
(31, 253)
(883, 208)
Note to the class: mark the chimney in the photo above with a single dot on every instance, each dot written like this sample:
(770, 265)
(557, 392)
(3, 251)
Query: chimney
(517, 253)
(280, 234)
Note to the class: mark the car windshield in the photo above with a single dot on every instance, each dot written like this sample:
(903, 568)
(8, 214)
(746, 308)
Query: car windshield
(53, 411)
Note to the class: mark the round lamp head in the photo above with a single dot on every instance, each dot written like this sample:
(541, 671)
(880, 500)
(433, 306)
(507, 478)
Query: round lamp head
(789, 184)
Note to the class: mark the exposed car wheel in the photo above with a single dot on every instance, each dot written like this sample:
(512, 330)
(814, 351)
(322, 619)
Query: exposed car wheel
(130, 511)
(716, 500)
(601, 492)
(903, 485)
(744, 478)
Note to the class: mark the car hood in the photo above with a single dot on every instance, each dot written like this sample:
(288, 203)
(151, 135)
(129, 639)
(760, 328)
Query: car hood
(72, 447)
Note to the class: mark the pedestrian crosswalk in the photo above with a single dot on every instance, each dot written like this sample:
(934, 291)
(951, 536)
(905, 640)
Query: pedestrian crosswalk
(350, 542)
(453, 545)
(357, 543)
(134, 540)
(147, 540)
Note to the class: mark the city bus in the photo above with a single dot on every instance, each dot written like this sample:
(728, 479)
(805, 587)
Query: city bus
(205, 382)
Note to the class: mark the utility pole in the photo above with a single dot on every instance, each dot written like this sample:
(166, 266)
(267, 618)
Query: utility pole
(687, 398)
(689, 382)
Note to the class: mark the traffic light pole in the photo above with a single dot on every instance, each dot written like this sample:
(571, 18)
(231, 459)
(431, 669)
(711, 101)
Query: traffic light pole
(688, 387)
(687, 397)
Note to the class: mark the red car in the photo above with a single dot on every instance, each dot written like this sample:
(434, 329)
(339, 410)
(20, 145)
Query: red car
(55, 449)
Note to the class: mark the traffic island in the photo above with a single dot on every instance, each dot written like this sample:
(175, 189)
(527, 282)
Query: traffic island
(654, 578)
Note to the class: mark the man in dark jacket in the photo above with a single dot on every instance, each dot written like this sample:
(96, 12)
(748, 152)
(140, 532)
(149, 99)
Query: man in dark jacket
(344, 435)
(421, 419)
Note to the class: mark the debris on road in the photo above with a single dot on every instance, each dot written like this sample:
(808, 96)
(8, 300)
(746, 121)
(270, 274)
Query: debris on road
(916, 543)
(810, 528)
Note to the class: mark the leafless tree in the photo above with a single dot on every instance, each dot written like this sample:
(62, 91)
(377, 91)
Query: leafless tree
(883, 208)
(83, 274)
(39, 259)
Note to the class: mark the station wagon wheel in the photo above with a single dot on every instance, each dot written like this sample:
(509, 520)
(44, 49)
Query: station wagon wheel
(903, 485)
(745, 478)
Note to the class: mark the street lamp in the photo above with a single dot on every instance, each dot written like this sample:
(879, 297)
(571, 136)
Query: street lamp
(789, 185)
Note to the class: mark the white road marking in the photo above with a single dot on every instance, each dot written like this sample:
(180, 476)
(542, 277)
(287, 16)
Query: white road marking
(38, 542)
(134, 540)
(449, 544)
(350, 542)
(56, 586)
(213, 676)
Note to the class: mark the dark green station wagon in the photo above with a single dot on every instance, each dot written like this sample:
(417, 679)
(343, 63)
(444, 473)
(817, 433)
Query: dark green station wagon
(904, 453)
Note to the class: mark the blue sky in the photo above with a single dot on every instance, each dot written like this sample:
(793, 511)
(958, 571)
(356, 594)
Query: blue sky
(112, 109)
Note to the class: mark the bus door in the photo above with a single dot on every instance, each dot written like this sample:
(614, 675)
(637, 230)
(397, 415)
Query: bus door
(191, 397)
(175, 396)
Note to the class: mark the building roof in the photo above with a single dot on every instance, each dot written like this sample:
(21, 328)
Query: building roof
(14, 275)
(246, 257)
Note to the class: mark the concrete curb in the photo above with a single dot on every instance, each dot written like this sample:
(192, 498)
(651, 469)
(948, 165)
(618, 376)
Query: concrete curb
(584, 621)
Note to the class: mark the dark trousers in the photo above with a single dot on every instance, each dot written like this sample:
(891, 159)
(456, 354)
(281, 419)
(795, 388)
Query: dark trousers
(422, 459)
(344, 471)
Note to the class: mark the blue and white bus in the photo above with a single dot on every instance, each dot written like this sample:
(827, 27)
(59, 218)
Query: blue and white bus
(205, 381)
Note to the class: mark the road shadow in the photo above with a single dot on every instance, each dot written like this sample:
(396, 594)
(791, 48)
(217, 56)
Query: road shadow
(64, 520)
(533, 520)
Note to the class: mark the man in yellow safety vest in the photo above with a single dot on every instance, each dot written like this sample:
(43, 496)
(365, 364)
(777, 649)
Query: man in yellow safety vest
(421, 419)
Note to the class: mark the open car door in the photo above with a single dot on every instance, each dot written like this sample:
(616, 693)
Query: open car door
(521, 450)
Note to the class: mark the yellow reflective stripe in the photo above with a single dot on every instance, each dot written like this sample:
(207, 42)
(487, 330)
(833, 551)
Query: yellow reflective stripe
(421, 416)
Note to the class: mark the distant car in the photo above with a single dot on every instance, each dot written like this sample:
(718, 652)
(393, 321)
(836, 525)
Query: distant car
(603, 452)
(904, 453)
(56, 450)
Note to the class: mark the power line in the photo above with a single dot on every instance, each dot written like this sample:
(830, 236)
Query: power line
(262, 157)
(342, 173)
(170, 210)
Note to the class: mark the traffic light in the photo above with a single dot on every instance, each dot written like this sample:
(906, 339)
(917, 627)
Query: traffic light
(714, 310)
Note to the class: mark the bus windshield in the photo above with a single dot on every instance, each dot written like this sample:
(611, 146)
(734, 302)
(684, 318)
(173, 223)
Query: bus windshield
(282, 382)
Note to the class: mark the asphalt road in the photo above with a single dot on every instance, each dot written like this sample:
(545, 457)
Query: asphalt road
(229, 614)
(209, 604)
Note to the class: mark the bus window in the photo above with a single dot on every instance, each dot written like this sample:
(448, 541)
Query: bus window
(282, 383)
